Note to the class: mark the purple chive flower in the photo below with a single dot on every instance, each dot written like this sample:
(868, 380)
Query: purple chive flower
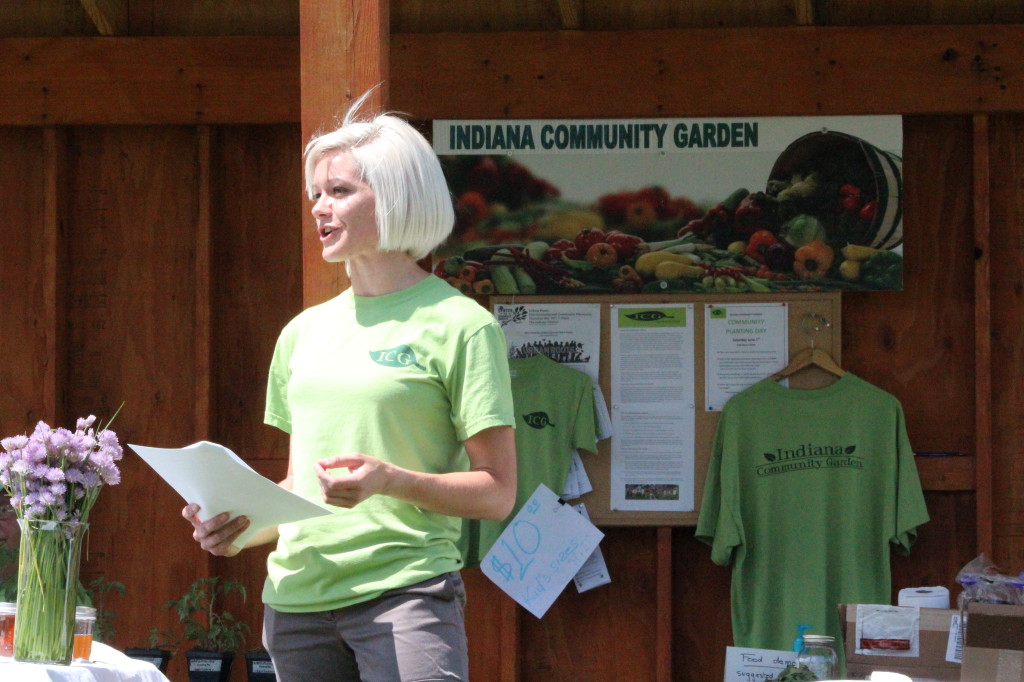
(56, 474)
(14, 442)
(34, 450)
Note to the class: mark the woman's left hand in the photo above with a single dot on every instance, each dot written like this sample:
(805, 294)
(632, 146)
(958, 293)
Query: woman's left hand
(367, 476)
(486, 491)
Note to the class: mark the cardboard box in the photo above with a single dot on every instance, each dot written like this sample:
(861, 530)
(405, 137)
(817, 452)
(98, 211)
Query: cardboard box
(930, 666)
(994, 648)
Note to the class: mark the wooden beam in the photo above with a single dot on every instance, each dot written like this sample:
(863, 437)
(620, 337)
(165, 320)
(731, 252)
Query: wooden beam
(202, 373)
(983, 334)
(110, 17)
(951, 473)
(344, 53)
(128, 81)
(803, 70)
(52, 313)
(508, 644)
(665, 605)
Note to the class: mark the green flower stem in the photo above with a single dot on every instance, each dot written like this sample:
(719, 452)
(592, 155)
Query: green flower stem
(48, 565)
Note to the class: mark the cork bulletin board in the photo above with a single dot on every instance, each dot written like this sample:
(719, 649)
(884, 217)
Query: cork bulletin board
(813, 318)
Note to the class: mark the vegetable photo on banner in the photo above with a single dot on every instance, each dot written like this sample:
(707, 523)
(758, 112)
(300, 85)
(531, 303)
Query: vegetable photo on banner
(569, 231)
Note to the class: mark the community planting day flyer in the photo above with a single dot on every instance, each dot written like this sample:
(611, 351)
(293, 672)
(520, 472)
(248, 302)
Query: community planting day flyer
(743, 343)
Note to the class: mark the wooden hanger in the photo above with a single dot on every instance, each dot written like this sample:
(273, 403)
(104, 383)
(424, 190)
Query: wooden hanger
(811, 357)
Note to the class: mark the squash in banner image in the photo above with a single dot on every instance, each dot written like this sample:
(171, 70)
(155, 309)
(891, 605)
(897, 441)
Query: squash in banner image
(853, 187)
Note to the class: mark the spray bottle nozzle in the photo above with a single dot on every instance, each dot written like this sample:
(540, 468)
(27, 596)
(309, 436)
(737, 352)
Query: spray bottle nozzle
(798, 643)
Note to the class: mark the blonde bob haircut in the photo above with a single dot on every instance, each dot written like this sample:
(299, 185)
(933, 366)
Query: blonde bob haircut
(413, 205)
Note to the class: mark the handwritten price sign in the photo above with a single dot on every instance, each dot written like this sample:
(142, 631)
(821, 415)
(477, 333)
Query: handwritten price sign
(540, 551)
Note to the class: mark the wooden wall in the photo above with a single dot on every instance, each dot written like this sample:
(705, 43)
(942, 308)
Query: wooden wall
(150, 265)
(151, 250)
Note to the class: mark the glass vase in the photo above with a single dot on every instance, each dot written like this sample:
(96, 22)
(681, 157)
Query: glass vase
(48, 563)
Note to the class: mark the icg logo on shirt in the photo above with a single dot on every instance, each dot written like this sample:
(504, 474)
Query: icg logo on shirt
(399, 356)
(538, 420)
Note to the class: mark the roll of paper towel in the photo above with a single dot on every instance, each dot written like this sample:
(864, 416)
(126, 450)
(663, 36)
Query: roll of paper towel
(925, 597)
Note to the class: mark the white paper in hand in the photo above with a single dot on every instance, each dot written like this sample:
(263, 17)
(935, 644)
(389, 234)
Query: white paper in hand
(216, 479)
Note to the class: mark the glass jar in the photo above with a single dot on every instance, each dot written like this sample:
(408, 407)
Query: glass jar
(7, 612)
(85, 619)
(819, 655)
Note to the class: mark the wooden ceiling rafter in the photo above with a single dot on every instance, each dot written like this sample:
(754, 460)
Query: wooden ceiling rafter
(571, 13)
(110, 17)
(803, 11)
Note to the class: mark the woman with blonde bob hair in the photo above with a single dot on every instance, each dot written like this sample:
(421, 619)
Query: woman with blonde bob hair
(414, 208)
(397, 398)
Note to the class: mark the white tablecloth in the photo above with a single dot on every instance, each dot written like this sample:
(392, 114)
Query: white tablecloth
(107, 665)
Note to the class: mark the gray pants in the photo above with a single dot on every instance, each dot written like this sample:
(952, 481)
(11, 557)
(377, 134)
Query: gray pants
(410, 634)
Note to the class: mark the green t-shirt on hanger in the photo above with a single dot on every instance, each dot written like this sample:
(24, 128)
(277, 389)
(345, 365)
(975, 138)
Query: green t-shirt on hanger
(806, 492)
(555, 414)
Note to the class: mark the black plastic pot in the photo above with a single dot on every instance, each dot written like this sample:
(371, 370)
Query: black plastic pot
(158, 657)
(209, 666)
(259, 667)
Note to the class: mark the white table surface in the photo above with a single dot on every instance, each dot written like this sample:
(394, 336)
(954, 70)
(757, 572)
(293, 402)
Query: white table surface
(106, 665)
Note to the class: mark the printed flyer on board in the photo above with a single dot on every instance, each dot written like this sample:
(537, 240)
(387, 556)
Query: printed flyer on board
(653, 413)
(743, 343)
(733, 205)
(569, 334)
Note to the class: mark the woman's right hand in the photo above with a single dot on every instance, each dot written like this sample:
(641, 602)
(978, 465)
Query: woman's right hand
(218, 533)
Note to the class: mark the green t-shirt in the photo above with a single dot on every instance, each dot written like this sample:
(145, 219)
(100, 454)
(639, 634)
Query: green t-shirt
(554, 407)
(404, 377)
(806, 491)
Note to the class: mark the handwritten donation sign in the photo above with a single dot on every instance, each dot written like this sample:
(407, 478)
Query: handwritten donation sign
(753, 665)
(540, 551)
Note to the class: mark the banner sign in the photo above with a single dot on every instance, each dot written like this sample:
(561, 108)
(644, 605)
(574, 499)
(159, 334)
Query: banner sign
(731, 205)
